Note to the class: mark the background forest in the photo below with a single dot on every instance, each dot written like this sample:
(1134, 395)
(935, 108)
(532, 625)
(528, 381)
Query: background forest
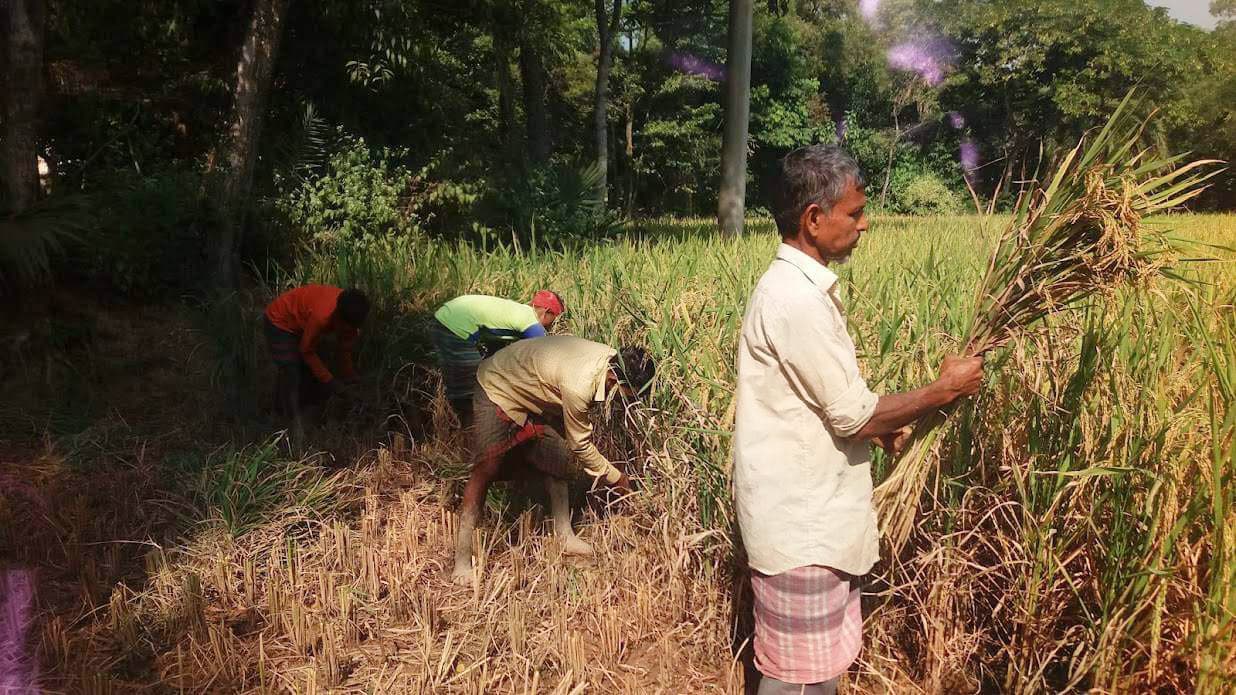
(407, 117)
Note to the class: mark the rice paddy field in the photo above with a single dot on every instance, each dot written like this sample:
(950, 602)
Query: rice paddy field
(1077, 534)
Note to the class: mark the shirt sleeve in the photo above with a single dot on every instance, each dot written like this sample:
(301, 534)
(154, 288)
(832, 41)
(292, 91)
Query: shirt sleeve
(347, 349)
(536, 330)
(579, 437)
(309, 352)
(818, 360)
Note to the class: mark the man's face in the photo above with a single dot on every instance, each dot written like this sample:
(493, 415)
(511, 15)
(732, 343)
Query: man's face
(546, 317)
(835, 233)
(612, 383)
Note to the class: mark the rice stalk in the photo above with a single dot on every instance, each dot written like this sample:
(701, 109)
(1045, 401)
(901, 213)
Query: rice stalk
(1083, 236)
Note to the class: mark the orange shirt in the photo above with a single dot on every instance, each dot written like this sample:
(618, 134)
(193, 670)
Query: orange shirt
(308, 312)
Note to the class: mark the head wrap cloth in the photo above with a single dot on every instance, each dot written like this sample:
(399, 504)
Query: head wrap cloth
(544, 299)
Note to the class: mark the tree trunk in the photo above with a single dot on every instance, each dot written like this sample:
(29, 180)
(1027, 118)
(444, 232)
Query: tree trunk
(22, 91)
(607, 28)
(532, 72)
(732, 200)
(629, 161)
(509, 134)
(238, 154)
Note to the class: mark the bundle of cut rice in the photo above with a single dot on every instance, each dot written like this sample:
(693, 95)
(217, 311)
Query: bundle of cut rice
(1081, 236)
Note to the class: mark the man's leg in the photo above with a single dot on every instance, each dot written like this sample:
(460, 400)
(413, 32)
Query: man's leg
(285, 353)
(483, 473)
(290, 387)
(458, 360)
(550, 455)
(560, 507)
(280, 401)
(491, 440)
(808, 621)
(772, 686)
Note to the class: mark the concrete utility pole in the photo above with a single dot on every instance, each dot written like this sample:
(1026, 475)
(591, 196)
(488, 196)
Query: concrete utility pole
(731, 203)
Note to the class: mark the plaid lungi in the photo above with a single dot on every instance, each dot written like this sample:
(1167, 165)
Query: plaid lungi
(284, 346)
(536, 443)
(808, 623)
(459, 360)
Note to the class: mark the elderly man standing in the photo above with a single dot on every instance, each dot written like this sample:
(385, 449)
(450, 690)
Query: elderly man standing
(804, 420)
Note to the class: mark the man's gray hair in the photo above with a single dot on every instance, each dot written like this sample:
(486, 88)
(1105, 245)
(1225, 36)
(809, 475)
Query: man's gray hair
(818, 174)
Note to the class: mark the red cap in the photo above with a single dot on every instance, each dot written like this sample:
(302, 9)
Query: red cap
(544, 299)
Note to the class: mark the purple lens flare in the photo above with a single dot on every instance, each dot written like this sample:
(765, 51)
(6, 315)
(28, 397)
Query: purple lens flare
(694, 65)
(968, 154)
(18, 666)
(928, 57)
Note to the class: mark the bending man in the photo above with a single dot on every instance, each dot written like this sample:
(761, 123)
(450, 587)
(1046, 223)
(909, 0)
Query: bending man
(531, 409)
(294, 323)
(803, 420)
(466, 324)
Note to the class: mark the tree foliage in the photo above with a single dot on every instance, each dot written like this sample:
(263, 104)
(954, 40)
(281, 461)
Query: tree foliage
(494, 100)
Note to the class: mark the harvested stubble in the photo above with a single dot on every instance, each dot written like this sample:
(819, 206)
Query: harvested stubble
(368, 601)
(1081, 539)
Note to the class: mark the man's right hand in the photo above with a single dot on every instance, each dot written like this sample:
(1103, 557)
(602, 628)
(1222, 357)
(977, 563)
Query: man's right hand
(623, 484)
(960, 376)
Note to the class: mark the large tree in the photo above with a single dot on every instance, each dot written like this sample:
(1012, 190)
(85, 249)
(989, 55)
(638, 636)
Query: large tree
(232, 175)
(21, 86)
(607, 31)
(532, 72)
(731, 202)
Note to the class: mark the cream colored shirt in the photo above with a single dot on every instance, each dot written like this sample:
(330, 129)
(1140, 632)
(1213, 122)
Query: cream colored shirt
(557, 374)
(802, 483)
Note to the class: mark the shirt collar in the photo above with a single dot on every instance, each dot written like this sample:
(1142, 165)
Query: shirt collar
(816, 272)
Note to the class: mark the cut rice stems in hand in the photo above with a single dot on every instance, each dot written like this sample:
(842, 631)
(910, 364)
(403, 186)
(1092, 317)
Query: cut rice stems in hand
(1080, 237)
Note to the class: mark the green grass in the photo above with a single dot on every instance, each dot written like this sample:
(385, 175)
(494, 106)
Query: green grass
(240, 489)
(1082, 517)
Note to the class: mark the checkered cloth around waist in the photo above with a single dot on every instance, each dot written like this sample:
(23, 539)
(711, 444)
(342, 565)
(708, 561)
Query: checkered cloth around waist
(808, 623)
(284, 346)
(537, 443)
(459, 360)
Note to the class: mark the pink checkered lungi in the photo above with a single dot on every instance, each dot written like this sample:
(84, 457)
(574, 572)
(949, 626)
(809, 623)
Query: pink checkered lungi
(808, 623)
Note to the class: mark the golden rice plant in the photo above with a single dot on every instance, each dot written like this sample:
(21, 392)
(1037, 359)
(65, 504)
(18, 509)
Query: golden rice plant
(1082, 236)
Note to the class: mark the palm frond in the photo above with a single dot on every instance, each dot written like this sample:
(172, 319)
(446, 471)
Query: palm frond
(303, 150)
(31, 239)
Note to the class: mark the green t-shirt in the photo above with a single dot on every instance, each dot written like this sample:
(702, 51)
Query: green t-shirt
(474, 316)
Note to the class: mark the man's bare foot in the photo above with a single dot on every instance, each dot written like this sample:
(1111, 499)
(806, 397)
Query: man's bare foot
(572, 545)
(462, 576)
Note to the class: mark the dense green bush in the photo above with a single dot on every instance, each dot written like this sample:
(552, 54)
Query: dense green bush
(923, 193)
(553, 203)
(361, 197)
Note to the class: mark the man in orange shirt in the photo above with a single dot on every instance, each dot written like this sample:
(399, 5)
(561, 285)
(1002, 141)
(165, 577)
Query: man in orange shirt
(294, 323)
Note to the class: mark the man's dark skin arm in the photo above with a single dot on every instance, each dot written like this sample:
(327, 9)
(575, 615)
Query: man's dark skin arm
(959, 377)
